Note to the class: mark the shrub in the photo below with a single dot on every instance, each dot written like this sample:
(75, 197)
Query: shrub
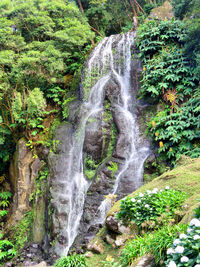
(154, 243)
(179, 131)
(7, 250)
(4, 202)
(171, 76)
(71, 261)
(149, 206)
(185, 250)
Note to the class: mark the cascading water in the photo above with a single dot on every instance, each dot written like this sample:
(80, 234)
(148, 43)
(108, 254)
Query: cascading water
(110, 61)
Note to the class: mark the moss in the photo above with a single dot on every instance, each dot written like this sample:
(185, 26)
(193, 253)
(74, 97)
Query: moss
(185, 178)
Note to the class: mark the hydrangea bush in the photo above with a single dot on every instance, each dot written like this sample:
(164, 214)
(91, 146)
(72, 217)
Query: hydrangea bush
(185, 250)
(149, 206)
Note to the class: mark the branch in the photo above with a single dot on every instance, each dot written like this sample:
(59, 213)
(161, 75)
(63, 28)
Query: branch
(96, 31)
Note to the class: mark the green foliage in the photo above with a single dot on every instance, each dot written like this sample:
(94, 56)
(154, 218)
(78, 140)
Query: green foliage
(154, 243)
(144, 209)
(7, 250)
(65, 106)
(185, 251)
(179, 131)
(40, 181)
(90, 167)
(4, 203)
(169, 76)
(182, 7)
(113, 168)
(22, 231)
(164, 64)
(71, 261)
(40, 43)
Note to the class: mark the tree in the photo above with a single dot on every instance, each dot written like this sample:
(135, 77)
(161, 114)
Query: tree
(40, 41)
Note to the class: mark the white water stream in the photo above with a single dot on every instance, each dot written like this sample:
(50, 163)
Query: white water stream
(111, 59)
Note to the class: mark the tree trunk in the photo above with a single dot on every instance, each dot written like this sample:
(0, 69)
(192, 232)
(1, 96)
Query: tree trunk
(81, 7)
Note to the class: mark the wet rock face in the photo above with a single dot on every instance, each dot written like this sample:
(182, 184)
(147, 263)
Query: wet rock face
(58, 160)
(103, 148)
(23, 171)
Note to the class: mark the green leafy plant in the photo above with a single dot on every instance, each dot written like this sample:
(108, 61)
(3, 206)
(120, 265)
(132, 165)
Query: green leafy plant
(178, 133)
(21, 233)
(90, 167)
(154, 243)
(150, 207)
(170, 77)
(185, 250)
(7, 250)
(113, 168)
(71, 261)
(4, 203)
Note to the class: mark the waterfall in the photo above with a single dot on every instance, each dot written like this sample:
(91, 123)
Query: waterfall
(111, 60)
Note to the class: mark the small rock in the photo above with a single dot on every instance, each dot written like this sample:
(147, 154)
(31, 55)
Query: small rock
(123, 229)
(109, 240)
(121, 239)
(29, 255)
(41, 264)
(96, 247)
(112, 224)
(89, 254)
(35, 245)
(144, 261)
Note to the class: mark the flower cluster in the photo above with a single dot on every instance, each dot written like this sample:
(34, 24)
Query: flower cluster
(150, 205)
(185, 250)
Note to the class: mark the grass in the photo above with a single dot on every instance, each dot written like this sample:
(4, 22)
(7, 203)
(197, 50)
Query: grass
(98, 260)
(185, 177)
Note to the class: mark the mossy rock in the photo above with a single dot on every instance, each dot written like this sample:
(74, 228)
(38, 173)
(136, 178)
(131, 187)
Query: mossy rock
(162, 12)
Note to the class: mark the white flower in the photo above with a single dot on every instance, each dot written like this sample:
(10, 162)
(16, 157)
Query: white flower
(182, 236)
(161, 190)
(148, 192)
(172, 264)
(196, 237)
(179, 249)
(189, 230)
(184, 259)
(176, 242)
(197, 265)
(195, 222)
(170, 251)
(167, 187)
(141, 195)
(146, 206)
(139, 201)
(155, 190)
(133, 199)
